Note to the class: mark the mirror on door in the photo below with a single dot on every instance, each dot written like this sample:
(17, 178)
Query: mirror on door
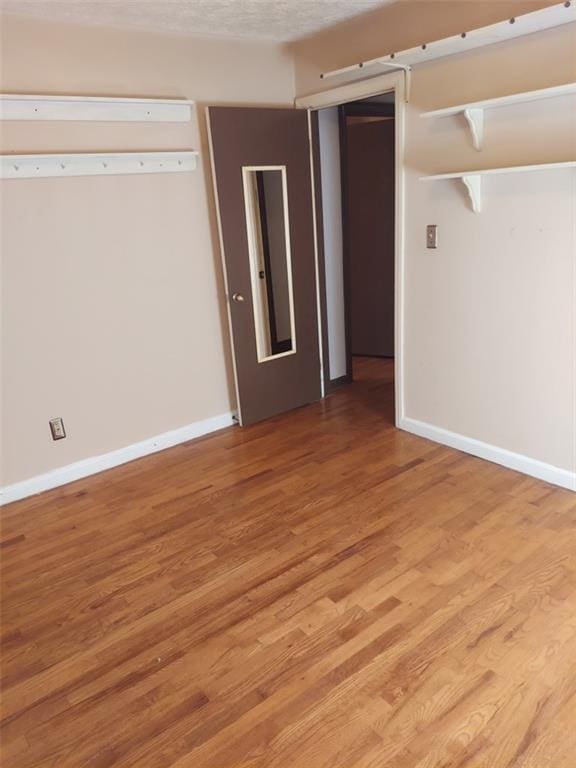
(266, 201)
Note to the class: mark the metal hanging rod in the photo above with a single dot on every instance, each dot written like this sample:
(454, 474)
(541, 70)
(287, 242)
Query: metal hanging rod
(525, 24)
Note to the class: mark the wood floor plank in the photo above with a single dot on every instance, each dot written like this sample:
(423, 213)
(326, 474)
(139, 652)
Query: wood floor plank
(317, 591)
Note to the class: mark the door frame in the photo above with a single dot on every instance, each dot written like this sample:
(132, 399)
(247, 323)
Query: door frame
(336, 97)
(346, 262)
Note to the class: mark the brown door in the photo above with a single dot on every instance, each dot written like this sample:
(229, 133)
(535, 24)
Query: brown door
(261, 167)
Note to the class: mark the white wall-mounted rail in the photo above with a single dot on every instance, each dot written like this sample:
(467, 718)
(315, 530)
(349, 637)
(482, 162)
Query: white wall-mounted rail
(95, 164)
(472, 180)
(93, 108)
(474, 111)
(525, 24)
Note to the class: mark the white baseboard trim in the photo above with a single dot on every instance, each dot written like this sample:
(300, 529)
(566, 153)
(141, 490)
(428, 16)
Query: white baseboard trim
(95, 464)
(547, 472)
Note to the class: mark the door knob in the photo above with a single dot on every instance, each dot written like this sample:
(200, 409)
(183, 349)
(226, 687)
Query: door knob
(237, 297)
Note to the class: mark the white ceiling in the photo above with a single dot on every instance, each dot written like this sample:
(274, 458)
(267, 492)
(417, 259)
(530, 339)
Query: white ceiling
(279, 20)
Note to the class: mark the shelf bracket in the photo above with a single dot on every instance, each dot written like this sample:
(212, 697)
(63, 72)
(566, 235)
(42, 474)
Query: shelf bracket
(473, 184)
(475, 120)
(406, 68)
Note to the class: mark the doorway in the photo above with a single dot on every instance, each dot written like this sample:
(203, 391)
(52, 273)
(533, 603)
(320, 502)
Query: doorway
(356, 155)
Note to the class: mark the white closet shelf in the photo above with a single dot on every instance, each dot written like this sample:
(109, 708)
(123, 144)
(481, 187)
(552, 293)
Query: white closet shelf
(474, 111)
(472, 180)
(504, 101)
(96, 164)
(96, 108)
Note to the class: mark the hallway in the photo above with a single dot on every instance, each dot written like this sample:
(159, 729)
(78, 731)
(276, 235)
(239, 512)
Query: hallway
(320, 590)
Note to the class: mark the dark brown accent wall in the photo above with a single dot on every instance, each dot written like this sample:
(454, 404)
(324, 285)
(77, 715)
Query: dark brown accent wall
(370, 206)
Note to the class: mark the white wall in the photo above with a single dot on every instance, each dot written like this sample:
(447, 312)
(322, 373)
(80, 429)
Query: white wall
(490, 326)
(113, 302)
(332, 223)
(490, 316)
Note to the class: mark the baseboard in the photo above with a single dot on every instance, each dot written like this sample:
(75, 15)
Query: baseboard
(547, 472)
(95, 464)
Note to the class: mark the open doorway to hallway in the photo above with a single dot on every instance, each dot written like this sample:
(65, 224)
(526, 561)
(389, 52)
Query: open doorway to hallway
(357, 178)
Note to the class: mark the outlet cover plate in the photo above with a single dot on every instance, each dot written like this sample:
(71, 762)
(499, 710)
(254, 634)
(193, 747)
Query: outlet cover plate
(432, 236)
(57, 429)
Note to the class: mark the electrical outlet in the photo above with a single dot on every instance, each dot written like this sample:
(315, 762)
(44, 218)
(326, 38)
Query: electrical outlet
(432, 236)
(57, 429)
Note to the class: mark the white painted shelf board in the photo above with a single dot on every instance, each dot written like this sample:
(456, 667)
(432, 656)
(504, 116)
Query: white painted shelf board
(93, 108)
(503, 101)
(472, 180)
(474, 111)
(96, 164)
(504, 169)
(525, 24)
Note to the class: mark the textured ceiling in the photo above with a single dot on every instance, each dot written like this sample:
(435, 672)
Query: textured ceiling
(279, 20)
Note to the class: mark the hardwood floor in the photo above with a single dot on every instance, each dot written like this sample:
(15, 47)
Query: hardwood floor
(319, 591)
